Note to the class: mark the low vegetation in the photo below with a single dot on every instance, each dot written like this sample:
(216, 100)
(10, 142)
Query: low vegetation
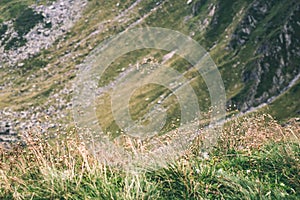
(24, 22)
(255, 158)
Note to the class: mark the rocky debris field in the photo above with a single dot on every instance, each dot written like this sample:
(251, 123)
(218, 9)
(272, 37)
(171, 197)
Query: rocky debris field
(57, 19)
(40, 119)
(7, 135)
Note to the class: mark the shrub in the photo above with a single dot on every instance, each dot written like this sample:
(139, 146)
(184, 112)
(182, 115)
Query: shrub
(15, 43)
(3, 29)
(26, 21)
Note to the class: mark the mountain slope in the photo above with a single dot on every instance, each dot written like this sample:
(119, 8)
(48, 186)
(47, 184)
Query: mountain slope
(255, 44)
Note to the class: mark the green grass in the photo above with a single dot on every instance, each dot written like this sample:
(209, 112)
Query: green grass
(267, 167)
(176, 16)
(287, 105)
(255, 158)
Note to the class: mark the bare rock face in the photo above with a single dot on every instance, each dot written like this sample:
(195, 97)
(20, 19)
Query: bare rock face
(277, 63)
(58, 18)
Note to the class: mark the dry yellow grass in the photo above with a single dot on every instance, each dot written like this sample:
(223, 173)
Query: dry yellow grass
(63, 164)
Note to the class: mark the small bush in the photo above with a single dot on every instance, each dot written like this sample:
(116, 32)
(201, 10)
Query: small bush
(3, 29)
(15, 43)
(15, 9)
(26, 21)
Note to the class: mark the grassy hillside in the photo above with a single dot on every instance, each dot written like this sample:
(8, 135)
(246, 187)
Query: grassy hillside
(245, 51)
(286, 106)
(254, 43)
(255, 158)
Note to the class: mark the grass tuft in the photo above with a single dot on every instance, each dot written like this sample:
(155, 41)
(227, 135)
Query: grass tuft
(255, 158)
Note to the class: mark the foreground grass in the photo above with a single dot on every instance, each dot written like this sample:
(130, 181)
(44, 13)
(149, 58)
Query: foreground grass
(255, 158)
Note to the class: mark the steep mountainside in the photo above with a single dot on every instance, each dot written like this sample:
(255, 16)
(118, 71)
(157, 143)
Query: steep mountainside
(255, 44)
